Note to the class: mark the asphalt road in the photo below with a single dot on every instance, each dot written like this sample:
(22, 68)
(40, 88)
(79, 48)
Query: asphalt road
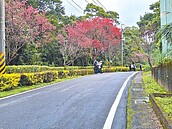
(82, 103)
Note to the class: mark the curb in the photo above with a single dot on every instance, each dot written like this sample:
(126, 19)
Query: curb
(142, 114)
(158, 111)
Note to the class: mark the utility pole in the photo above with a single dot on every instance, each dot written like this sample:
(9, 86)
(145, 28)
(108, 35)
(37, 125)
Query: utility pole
(2, 36)
(122, 50)
(122, 46)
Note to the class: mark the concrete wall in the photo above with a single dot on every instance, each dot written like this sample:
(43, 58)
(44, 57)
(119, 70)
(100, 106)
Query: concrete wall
(163, 75)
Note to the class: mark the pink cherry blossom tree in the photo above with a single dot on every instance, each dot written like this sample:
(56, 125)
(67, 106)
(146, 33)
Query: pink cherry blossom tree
(94, 37)
(24, 24)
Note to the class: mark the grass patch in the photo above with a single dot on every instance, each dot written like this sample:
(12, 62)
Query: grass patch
(27, 88)
(166, 105)
(130, 111)
(150, 85)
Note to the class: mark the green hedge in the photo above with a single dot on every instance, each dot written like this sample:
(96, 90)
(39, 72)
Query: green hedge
(34, 78)
(30, 69)
(36, 68)
(116, 69)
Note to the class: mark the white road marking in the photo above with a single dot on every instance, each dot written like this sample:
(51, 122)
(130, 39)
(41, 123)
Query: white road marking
(109, 119)
(33, 90)
(28, 91)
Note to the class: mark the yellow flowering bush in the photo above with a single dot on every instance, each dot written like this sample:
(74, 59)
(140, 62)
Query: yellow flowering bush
(9, 81)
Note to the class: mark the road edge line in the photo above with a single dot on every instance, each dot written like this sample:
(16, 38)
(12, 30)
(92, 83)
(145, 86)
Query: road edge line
(111, 115)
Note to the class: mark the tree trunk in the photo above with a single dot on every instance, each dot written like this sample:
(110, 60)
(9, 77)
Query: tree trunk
(149, 61)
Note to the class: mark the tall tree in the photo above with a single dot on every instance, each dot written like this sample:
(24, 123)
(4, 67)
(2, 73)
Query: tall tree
(93, 36)
(51, 54)
(29, 55)
(24, 24)
(51, 6)
(149, 25)
(132, 48)
(54, 10)
(97, 11)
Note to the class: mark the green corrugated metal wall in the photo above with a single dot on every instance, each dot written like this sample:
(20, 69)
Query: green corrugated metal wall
(166, 17)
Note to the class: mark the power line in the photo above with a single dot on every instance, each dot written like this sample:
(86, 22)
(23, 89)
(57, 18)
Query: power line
(101, 5)
(74, 6)
(87, 1)
(77, 5)
(95, 2)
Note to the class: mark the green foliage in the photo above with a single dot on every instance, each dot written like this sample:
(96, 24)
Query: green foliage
(166, 104)
(52, 18)
(144, 20)
(36, 68)
(150, 20)
(130, 111)
(93, 10)
(28, 79)
(28, 55)
(149, 25)
(63, 74)
(52, 6)
(34, 78)
(116, 69)
(146, 68)
(151, 86)
(51, 54)
(66, 20)
(161, 58)
(29, 69)
(132, 45)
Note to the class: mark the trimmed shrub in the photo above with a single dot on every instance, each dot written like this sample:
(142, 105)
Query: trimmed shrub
(50, 76)
(29, 69)
(36, 68)
(34, 78)
(72, 73)
(9, 81)
(63, 74)
(30, 79)
(116, 69)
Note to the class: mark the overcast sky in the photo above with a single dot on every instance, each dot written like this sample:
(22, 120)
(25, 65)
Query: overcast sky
(129, 10)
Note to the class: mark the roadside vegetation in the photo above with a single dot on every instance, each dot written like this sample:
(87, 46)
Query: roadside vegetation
(130, 111)
(150, 85)
(23, 78)
(165, 103)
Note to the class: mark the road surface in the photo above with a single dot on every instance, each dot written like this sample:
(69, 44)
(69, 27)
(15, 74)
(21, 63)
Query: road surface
(82, 103)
